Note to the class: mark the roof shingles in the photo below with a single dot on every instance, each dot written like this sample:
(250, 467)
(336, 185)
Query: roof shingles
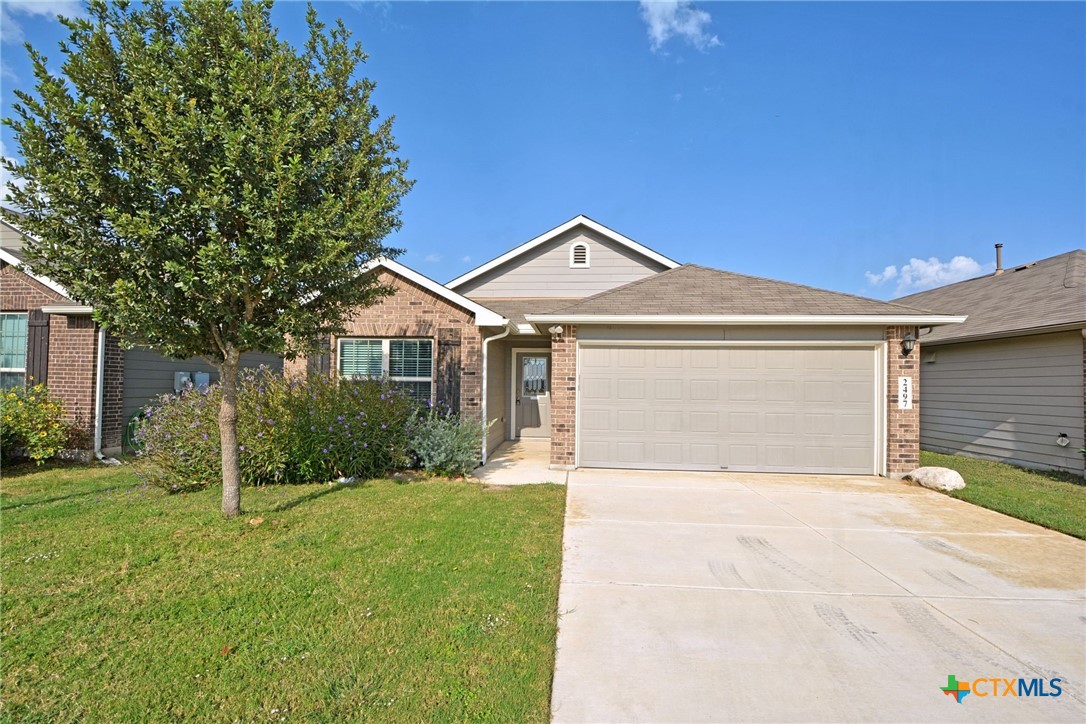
(1049, 293)
(692, 290)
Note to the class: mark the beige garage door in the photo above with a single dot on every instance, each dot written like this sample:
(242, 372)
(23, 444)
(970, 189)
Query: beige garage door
(766, 409)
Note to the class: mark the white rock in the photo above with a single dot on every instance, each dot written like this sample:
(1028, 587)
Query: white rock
(937, 478)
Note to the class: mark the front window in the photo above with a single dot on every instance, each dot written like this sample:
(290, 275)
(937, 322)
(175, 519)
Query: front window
(408, 363)
(12, 350)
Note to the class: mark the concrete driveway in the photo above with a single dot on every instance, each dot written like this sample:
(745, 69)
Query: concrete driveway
(727, 597)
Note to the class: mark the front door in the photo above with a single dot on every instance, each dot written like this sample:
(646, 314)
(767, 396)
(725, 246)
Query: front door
(532, 401)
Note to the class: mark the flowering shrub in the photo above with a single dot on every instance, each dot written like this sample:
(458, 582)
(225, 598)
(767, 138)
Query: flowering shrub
(31, 420)
(289, 431)
(443, 443)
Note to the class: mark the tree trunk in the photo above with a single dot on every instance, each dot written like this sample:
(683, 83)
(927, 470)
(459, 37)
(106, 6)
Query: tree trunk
(228, 435)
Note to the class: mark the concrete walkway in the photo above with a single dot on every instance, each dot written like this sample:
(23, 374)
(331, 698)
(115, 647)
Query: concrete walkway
(520, 462)
(691, 597)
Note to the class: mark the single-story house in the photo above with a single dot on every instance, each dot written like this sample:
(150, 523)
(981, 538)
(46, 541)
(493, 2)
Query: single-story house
(623, 357)
(47, 337)
(1009, 383)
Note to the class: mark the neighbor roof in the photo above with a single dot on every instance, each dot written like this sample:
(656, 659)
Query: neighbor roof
(543, 238)
(697, 294)
(1045, 295)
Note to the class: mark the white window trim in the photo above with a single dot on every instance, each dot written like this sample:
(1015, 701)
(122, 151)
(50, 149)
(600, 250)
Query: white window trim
(573, 264)
(386, 356)
(25, 351)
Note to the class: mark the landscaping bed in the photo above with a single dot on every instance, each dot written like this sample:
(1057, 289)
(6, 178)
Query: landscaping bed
(1051, 499)
(428, 600)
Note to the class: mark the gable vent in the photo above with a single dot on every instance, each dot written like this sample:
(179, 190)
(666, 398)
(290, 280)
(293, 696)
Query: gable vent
(578, 255)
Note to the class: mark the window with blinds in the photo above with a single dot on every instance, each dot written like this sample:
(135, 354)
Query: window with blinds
(12, 350)
(408, 363)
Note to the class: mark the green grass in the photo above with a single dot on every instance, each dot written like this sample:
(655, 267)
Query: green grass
(1054, 500)
(420, 601)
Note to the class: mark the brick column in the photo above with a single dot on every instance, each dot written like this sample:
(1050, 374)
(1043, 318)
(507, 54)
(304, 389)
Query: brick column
(564, 399)
(113, 422)
(902, 426)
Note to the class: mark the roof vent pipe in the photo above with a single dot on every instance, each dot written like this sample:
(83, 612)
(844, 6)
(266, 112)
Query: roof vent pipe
(999, 259)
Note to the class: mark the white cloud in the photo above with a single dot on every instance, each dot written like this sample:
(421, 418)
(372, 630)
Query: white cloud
(886, 275)
(432, 258)
(667, 19)
(466, 259)
(12, 32)
(921, 274)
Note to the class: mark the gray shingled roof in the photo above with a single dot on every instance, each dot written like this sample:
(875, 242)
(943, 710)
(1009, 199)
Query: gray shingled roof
(1045, 294)
(696, 290)
(515, 309)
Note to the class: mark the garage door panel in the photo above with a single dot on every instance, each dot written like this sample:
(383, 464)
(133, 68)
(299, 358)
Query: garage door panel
(750, 408)
(595, 388)
(706, 421)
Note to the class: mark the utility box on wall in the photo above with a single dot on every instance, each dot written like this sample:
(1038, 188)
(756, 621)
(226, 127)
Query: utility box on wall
(201, 380)
(181, 380)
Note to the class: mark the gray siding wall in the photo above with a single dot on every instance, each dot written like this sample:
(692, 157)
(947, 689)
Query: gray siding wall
(1005, 400)
(147, 374)
(545, 271)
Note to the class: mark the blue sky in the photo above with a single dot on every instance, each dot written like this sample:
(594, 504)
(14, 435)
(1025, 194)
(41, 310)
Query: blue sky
(819, 143)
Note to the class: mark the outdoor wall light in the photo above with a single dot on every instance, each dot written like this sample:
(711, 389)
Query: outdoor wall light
(1063, 440)
(907, 344)
(556, 329)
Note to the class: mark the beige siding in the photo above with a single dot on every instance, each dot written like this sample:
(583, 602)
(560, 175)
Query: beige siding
(545, 271)
(731, 334)
(147, 374)
(497, 406)
(10, 238)
(1005, 399)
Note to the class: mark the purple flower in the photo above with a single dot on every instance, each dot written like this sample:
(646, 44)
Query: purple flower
(340, 418)
(260, 434)
(205, 435)
(324, 451)
(241, 447)
(384, 426)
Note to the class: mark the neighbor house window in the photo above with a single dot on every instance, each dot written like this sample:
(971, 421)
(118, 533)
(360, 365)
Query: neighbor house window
(408, 363)
(578, 255)
(12, 350)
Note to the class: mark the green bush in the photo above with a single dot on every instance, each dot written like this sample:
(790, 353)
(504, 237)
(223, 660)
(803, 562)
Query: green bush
(31, 420)
(443, 443)
(289, 431)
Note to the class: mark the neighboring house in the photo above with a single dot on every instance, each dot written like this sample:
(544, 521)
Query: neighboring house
(47, 337)
(1008, 384)
(622, 357)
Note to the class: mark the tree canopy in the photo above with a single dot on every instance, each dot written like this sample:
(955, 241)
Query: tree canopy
(205, 187)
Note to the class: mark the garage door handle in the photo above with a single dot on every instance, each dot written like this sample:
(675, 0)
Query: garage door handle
(518, 400)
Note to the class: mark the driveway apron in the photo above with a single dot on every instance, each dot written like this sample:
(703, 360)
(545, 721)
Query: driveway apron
(727, 597)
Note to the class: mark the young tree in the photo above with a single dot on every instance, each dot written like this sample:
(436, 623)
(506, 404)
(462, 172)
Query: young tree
(207, 188)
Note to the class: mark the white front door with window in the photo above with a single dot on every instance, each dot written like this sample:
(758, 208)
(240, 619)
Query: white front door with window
(532, 394)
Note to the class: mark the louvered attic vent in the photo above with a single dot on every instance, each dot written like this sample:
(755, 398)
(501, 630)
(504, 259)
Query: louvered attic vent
(578, 255)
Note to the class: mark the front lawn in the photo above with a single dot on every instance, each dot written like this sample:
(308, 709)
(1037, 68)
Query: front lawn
(1054, 500)
(418, 601)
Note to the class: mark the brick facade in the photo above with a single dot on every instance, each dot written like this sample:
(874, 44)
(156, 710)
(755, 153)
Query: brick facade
(902, 426)
(564, 398)
(73, 355)
(417, 312)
